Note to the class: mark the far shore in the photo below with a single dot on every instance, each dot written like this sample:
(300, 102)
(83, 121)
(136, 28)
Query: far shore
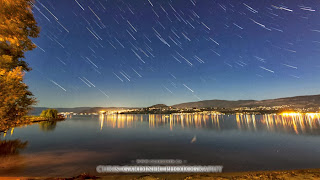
(281, 174)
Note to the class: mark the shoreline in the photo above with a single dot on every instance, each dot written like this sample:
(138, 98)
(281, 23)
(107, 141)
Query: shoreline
(277, 174)
(27, 120)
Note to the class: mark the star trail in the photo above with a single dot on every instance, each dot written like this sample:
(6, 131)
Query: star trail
(140, 53)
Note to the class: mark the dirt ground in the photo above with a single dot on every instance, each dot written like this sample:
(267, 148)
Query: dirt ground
(311, 174)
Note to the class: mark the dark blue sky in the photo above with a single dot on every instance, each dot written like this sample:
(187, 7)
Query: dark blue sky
(141, 52)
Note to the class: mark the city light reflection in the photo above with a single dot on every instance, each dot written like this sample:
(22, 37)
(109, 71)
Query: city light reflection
(296, 123)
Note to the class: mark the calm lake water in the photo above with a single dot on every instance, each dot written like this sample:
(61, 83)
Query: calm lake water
(238, 142)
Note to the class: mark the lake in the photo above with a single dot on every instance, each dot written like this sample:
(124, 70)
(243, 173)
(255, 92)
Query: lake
(237, 142)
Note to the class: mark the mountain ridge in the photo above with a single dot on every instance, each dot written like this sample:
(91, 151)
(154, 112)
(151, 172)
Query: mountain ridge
(296, 101)
(306, 101)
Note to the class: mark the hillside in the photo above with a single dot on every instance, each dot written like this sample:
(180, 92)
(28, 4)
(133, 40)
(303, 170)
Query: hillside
(312, 101)
(158, 106)
(38, 110)
(297, 101)
(213, 103)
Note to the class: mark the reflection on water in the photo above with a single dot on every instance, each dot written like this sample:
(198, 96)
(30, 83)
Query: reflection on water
(11, 147)
(288, 122)
(239, 142)
(299, 123)
(48, 125)
(10, 154)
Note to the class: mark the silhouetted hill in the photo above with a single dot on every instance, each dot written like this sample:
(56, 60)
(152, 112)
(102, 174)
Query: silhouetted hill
(213, 103)
(38, 110)
(158, 106)
(312, 101)
(297, 101)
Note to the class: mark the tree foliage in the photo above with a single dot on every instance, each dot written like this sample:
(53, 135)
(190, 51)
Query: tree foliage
(49, 114)
(17, 26)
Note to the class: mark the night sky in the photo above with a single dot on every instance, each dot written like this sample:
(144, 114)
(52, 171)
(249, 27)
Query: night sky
(143, 52)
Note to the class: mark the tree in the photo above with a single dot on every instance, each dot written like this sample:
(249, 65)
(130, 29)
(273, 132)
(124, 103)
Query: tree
(49, 114)
(17, 26)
